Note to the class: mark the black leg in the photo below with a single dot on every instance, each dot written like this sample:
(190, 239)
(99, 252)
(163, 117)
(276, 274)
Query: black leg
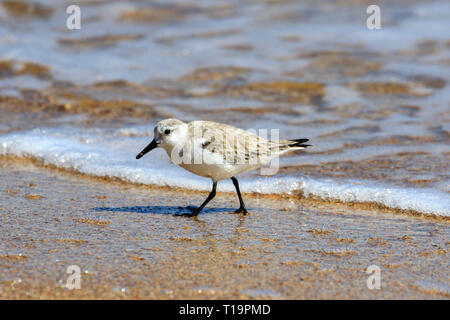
(241, 202)
(211, 195)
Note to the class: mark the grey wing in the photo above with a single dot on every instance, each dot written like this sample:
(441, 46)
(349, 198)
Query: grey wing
(236, 146)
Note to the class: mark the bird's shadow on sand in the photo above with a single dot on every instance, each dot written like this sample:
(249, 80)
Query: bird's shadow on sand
(172, 210)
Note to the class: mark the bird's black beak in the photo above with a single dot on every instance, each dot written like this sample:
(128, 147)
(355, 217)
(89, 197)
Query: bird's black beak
(148, 148)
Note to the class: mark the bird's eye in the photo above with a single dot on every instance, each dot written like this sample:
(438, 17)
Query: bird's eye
(167, 131)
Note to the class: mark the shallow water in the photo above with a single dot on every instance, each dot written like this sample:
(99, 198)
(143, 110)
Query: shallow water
(375, 104)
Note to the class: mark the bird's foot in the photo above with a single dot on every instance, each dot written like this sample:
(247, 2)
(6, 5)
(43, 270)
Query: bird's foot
(242, 210)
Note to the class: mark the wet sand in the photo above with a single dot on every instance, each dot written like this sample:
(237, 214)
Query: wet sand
(374, 105)
(129, 244)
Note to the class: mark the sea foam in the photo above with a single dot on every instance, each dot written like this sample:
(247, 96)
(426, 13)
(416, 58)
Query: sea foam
(111, 153)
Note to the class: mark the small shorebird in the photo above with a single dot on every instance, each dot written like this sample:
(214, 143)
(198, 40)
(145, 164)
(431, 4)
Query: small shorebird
(217, 151)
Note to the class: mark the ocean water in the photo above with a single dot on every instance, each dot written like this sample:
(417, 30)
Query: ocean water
(375, 104)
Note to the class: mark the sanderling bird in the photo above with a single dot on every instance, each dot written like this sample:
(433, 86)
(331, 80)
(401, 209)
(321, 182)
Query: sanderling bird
(217, 151)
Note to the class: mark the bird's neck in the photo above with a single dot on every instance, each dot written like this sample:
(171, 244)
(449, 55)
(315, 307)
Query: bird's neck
(175, 151)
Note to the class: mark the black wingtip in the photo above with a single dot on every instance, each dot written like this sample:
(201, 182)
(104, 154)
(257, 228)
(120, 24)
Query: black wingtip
(300, 140)
(300, 143)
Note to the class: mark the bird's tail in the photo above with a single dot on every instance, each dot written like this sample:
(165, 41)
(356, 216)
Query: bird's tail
(291, 145)
(298, 143)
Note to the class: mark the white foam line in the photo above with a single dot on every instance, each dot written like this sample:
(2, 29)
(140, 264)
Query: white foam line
(107, 157)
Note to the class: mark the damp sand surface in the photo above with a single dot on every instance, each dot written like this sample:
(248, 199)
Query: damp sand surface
(130, 244)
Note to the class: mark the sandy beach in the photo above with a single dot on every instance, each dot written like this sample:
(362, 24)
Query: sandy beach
(371, 193)
(129, 244)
